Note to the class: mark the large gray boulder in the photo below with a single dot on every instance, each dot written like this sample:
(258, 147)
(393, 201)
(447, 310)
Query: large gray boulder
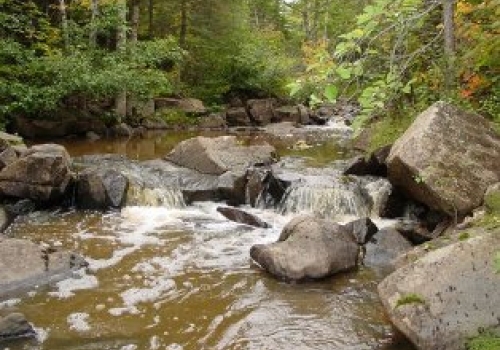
(384, 247)
(262, 110)
(308, 247)
(41, 173)
(215, 156)
(446, 296)
(24, 264)
(446, 159)
(101, 188)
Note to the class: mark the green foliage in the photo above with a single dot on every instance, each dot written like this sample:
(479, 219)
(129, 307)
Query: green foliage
(484, 341)
(411, 298)
(174, 117)
(497, 262)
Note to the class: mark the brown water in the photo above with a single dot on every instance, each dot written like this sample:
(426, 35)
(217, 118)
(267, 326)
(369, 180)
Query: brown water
(181, 278)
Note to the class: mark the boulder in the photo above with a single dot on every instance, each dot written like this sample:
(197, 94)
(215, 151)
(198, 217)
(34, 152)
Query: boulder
(24, 264)
(241, 216)
(7, 156)
(122, 130)
(446, 159)
(287, 114)
(101, 188)
(362, 229)
(15, 326)
(304, 115)
(213, 121)
(237, 116)
(308, 247)
(41, 173)
(215, 156)
(186, 105)
(4, 219)
(67, 123)
(385, 246)
(446, 296)
(262, 110)
(9, 140)
(374, 164)
(415, 231)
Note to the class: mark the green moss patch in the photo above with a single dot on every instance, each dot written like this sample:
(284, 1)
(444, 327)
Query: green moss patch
(485, 341)
(411, 298)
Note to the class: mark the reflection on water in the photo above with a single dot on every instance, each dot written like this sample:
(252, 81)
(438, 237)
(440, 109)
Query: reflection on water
(182, 279)
(156, 144)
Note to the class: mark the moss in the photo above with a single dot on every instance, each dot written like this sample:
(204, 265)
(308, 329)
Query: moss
(410, 298)
(492, 201)
(388, 130)
(464, 236)
(484, 341)
(489, 221)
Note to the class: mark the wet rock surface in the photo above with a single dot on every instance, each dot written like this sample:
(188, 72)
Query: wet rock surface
(241, 216)
(308, 248)
(447, 295)
(15, 326)
(24, 264)
(384, 247)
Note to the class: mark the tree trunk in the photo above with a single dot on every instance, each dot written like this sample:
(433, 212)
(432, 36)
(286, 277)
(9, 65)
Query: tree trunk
(64, 23)
(121, 42)
(94, 7)
(184, 24)
(449, 41)
(135, 22)
(151, 18)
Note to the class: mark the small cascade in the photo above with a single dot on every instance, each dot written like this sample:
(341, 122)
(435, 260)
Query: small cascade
(169, 197)
(379, 190)
(326, 198)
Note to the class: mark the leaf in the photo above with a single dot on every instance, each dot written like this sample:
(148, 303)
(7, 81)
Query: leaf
(331, 92)
(344, 73)
(315, 100)
(294, 88)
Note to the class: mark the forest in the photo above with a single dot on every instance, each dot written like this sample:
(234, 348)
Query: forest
(390, 57)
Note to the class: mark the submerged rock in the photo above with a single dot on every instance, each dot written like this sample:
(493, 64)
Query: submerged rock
(241, 216)
(15, 326)
(42, 173)
(308, 247)
(385, 246)
(24, 264)
(446, 159)
(446, 296)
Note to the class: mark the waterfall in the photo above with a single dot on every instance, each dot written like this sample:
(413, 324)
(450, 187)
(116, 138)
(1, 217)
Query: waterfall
(326, 198)
(169, 197)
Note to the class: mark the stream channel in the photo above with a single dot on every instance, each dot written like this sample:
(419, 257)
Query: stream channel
(180, 277)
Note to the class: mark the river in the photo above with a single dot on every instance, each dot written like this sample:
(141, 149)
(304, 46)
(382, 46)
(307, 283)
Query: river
(181, 278)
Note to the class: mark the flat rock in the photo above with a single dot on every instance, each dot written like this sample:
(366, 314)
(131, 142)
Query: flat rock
(241, 216)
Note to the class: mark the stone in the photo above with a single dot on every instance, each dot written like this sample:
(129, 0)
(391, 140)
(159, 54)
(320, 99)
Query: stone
(362, 229)
(446, 296)
(241, 216)
(373, 165)
(186, 105)
(287, 114)
(4, 219)
(304, 115)
(41, 173)
(238, 117)
(415, 231)
(92, 136)
(7, 156)
(215, 156)
(101, 188)
(446, 159)
(24, 264)
(10, 140)
(15, 326)
(262, 110)
(308, 248)
(213, 121)
(384, 247)
(122, 130)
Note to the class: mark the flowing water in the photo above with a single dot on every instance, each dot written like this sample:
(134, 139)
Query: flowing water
(180, 277)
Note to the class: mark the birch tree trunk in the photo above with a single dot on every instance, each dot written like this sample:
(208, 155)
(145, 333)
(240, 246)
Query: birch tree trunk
(94, 8)
(121, 42)
(150, 19)
(134, 33)
(184, 24)
(64, 23)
